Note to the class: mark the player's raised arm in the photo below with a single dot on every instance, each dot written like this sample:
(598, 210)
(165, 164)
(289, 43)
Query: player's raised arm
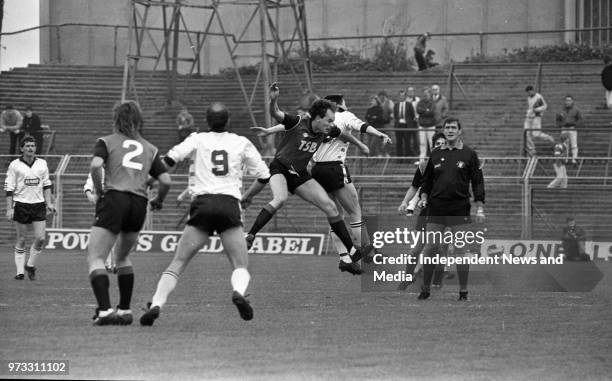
(180, 151)
(348, 137)
(262, 131)
(275, 111)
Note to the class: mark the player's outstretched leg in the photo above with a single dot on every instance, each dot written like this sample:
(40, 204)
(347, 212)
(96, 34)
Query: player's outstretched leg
(36, 248)
(190, 242)
(278, 186)
(236, 251)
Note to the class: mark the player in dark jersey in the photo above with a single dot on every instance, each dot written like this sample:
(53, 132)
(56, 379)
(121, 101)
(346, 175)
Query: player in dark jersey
(289, 170)
(128, 160)
(446, 189)
(437, 141)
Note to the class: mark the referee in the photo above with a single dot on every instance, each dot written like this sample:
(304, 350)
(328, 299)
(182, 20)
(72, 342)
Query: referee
(445, 189)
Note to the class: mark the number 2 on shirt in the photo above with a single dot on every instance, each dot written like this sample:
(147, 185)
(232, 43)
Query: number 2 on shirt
(129, 156)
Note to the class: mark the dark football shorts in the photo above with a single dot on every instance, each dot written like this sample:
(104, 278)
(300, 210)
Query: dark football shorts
(121, 212)
(294, 177)
(27, 213)
(215, 212)
(332, 175)
(449, 214)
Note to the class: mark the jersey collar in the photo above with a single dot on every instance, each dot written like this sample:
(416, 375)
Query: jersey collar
(26, 163)
(458, 146)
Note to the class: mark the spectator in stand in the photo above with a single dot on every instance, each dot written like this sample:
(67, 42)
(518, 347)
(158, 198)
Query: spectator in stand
(31, 126)
(405, 124)
(10, 122)
(429, 59)
(536, 105)
(419, 51)
(412, 98)
(569, 120)
(375, 118)
(560, 153)
(185, 124)
(427, 123)
(573, 239)
(606, 81)
(440, 106)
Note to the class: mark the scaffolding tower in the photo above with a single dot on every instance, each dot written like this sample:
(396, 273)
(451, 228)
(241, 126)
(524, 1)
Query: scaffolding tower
(159, 44)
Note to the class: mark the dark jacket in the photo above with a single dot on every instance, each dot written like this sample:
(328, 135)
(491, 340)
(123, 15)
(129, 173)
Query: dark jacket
(409, 114)
(425, 109)
(375, 117)
(31, 125)
(606, 77)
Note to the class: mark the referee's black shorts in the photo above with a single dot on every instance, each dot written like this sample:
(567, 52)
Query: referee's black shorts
(25, 213)
(294, 177)
(121, 212)
(449, 214)
(332, 175)
(215, 212)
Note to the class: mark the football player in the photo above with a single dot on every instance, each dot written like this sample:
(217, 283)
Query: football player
(28, 200)
(330, 171)
(304, 136)
(121, 206)
(220, 159)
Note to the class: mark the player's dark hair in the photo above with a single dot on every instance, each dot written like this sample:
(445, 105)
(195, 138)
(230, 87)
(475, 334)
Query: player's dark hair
(452, 120)
(319, 108)
(27, 139)
(528, 88)
(127, 119)
(436, 136)
(217, 116)
(336, 98)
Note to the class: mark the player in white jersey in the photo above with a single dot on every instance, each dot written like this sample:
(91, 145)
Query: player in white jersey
(90, 193)
(221, 159)
(331, 172)
(28, 199)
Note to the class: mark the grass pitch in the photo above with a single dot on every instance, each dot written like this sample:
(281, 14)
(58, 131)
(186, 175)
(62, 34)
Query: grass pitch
(311, 322)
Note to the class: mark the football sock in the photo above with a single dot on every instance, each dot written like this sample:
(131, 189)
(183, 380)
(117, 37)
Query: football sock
(266, 214)
(20, 260)
(428, 271)
(338, 245)
(167, 283)
(338, 227)
(240, 280)
(99, 283)
(125, 279)
(438, 274)
(344, 257)
(356, 231)
(462, 272)
(33, 256)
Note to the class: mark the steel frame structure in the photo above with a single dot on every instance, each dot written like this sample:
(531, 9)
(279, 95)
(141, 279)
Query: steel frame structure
(274, 49)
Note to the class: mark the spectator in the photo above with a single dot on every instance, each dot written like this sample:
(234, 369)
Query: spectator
(31, 126)
(419, 51)
(374, 116)
(405, 123)
(387, 106)
(573, 239)
(427, 124)
(536, 105)
(429, 59)
(606, 81)
(569, 120)
(10, 122)
(560, 153)
(184, 122)
(440, 106)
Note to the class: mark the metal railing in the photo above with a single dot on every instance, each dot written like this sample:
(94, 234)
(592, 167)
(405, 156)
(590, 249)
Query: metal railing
(285, 43)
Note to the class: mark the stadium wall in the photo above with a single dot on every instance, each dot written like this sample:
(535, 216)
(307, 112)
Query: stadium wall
(95, 46)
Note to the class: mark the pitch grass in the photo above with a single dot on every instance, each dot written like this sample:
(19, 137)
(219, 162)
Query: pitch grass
(311, 322)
